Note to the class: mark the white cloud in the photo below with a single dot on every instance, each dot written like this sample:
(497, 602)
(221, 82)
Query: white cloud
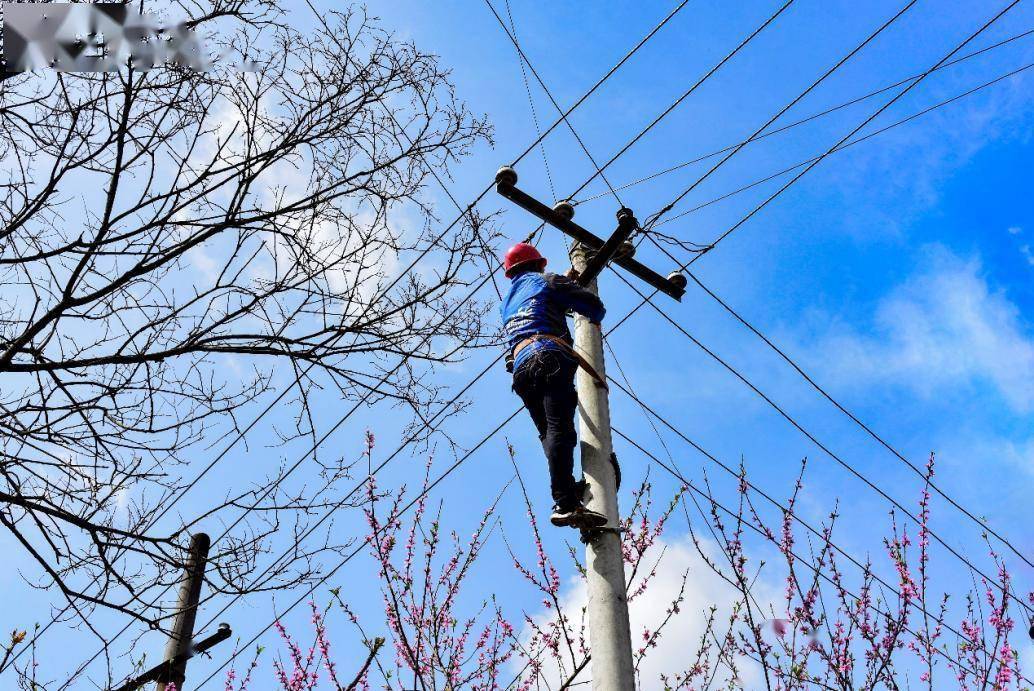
(205, 263)
(1027, 254)
(1014, 230)
(122, 503)
(972, 452)
(934, 146)
(943, 329)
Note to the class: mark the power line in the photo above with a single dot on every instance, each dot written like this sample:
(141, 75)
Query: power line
(807, 119)
(524, 59)
(850, 134)
(983, 525)
(594, 176)
(847, 466)
(652, 414)
(599, 171)
(328, 576)
(759, 392)
(531, 103)
(677, 474)
(655, 234)
(652, 220)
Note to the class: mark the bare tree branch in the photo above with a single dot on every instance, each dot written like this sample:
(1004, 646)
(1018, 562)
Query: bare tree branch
(170, 240)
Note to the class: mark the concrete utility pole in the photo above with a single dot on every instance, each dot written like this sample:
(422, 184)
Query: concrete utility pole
(181, 646)
(178, 648)
(611, 640)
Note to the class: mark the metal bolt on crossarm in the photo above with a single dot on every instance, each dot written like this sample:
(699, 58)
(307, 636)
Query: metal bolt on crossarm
(627, 249)
(564, 209)
(678, 279)
(506, 176)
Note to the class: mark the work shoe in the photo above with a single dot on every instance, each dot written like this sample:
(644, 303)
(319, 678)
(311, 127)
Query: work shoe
(563, 517)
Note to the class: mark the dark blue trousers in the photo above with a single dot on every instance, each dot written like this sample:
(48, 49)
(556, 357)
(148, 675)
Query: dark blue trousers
(545, 382)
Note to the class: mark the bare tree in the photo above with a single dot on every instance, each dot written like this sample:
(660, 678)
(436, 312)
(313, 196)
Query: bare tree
(164, 231)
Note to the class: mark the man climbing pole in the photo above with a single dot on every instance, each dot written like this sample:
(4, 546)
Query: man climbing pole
(541, 355)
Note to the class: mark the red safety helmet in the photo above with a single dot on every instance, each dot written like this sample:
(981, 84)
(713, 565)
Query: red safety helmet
(520, 255)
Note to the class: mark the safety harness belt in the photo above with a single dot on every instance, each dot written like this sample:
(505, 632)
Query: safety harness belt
(582, 362)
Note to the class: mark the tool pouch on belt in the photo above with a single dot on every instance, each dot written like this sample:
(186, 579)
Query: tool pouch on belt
(567, 347)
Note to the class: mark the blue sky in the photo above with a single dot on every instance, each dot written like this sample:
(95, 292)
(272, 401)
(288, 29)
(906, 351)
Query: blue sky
(898, 272)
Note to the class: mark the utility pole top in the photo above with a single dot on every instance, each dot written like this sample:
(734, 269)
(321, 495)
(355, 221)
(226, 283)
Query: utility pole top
(616, 248)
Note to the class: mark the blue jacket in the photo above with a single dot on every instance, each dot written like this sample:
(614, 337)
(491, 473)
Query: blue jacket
(537, 304)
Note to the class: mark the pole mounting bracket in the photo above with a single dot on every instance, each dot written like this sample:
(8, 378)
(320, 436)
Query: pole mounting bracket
(590, 534)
